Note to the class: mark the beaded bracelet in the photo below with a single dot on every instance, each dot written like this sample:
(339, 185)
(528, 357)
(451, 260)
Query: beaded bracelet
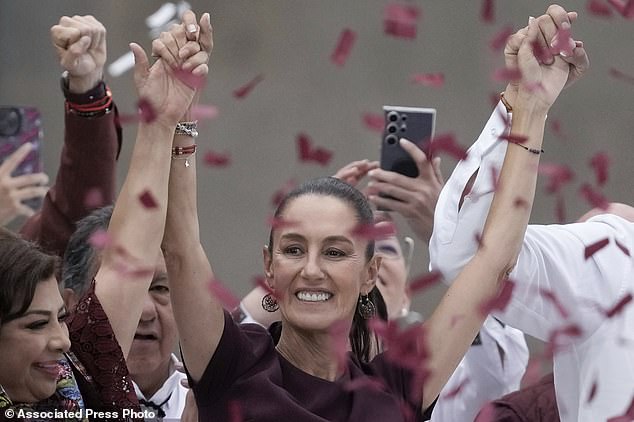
(184, 153)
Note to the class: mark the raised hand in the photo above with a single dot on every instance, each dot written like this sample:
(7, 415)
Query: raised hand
(80, 43)
(353, 172)
(14, 190)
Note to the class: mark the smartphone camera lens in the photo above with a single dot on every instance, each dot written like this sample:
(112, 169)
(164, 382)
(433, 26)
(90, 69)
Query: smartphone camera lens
(10, 121)
(392, 128)
(403, 127)
(391, 140)
(392, 116)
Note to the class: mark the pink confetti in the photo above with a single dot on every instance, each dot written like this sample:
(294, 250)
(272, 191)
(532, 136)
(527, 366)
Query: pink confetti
(260, 281)
(505, 75)
(100, 239)
(618, 307)
(501, 301)
(189, 79)
(598, 8)
(447, 143)
(435, 80)
(556, 128)
(595, 198)
(498, 41)
(625, 9)
(422, 283)
(146, 110)
(552, 297)
(226, 298)
(617, 74)
(401, 20)
(595, 247)
(344, 47)
(593, 392)
(215, 159)
(148, 200)
(600, 162)
(452, 394)
(374, 122)
(558, 175)
(513, 138)
(543, 55)
(308, 152)
(556, 344)
(246, 89)
(622, 247)
(204, 112)
(94, 198)
(381, 230)
(562, 42)
(279, 194)
(487, 11)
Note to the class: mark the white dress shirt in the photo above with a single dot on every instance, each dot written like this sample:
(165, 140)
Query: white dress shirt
(173, 407)
(594, 374)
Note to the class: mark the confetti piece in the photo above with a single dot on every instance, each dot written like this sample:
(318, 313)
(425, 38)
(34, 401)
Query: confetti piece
(147, 200)
(498, 41)
(625, 9)
(618, 307)
(543, 55)
(435, 80)
(215, 159)
(595, 198)
(422, 283)
(562, 42)
(487, 13)
(204, 112)
(94, 198)
(344, 47)
(189, 79)
(246, 89)
(513, 138)
(146, 111)
(556, 344)
(308, 152)
(226, 298)
(260, 281)
(625, 250)
(595, 247)
(381, 230)
(593, 392)
(100, 239)
(447, 143)
(279, 194)
(552, 297)
(374, 122)
(558, 175)
(501, 301)
(600, 162)
(617, 74)
(556, 128)
(506, 75)
(453, 393)
(598, 8)
(400, 20)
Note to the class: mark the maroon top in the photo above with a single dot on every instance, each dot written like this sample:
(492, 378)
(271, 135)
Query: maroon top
(248, 380)
(535, 403)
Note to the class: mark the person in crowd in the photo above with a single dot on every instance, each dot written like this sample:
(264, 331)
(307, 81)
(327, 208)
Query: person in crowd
(568, 291)
(86, 178)
(50, 360)
(321, 275)
(15, 190)
(151, 363)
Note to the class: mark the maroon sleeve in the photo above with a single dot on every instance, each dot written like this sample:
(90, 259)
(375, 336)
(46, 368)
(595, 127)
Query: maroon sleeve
(91, 147)
(93, 342)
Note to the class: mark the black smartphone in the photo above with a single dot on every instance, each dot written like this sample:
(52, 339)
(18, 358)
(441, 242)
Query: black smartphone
(413, 123)
(19, 125)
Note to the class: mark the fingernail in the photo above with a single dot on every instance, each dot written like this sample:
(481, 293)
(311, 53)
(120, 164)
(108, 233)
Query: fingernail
(563, 54)
(371, 172)
(530, 19)
(565, 25)
(191, 28)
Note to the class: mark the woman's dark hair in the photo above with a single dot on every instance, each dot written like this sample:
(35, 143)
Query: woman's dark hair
(22, 266)
(360, 335)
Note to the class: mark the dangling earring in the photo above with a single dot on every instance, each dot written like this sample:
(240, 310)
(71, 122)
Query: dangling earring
(366, 308)
(269, 304)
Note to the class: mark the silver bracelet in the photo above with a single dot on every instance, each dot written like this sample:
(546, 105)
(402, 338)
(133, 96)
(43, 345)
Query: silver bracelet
(187, 129)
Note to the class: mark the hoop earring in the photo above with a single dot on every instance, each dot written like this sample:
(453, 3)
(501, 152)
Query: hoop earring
(365, 307)
(269, 304)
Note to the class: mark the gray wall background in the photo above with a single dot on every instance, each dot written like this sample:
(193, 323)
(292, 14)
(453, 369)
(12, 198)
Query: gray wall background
(290, 42)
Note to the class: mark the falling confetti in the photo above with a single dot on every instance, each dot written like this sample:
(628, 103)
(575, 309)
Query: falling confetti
(344, 47)
(246, 89)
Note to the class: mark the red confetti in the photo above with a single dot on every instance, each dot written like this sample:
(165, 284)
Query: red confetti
(513, 138)
(625, 9)
(501, 301)
(400, 20)
(422, 283)
(435, 80)
(598, 8)
(600, 162)
(557, 174)
(595, 247)
(94, 198)
(204, 112)
(307, 152)
(246, 89)
(555, 344)
(543, 55)
(215, 159)
(555, 127)
(617, 74)
(451, 394)
(505, 75)
(623, 248)
(344, 47)
(498, 41)
(447, 143)
(381, 230)
(487, 11)
(562, 42)
(552, 297)
(146, 111)
(593, 392)
(279, 194)
(596, 199)
(148, 200)
(618, 308)
(374, 122)
(189, 79)
(226, 298)
(100, 239)
(260, 281)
